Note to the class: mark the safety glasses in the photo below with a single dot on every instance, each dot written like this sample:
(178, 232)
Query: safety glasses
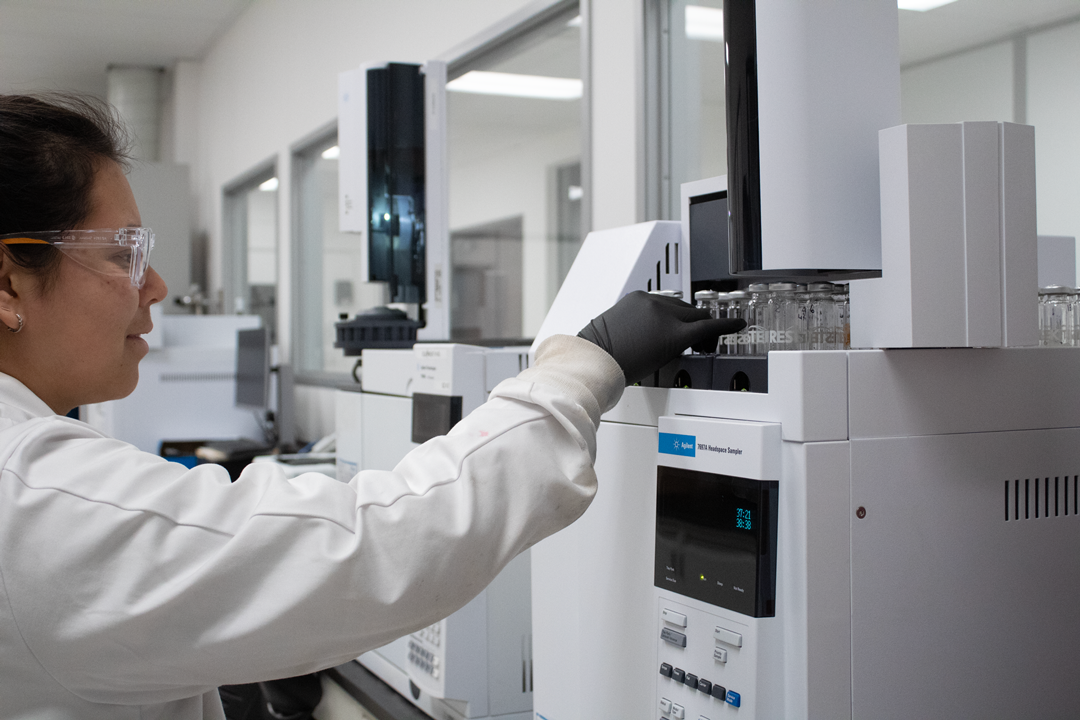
(123, 251)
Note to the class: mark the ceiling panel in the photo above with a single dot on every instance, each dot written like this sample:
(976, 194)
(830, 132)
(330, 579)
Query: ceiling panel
(68, 44)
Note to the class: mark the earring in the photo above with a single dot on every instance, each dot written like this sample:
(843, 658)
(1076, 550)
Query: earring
(18, 329)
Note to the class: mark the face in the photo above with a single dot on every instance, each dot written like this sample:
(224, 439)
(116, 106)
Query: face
(82, 339)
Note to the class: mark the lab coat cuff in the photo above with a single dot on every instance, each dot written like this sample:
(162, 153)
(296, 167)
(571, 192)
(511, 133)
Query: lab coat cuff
(582, 370)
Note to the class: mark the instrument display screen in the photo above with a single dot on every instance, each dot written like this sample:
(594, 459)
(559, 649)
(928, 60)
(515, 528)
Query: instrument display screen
(716, 539)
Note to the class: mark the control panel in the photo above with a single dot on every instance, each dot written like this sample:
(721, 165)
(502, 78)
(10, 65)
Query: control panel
(427, 656)
(705, 668)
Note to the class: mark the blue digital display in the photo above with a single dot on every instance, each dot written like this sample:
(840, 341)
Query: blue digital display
(742, 518)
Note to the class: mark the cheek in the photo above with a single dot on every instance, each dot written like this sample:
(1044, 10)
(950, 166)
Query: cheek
(104, 309)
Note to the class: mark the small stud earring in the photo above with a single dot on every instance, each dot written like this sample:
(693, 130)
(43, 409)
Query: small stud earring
(18, 329)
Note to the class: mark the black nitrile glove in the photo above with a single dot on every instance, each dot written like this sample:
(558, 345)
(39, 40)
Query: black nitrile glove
(644, 332)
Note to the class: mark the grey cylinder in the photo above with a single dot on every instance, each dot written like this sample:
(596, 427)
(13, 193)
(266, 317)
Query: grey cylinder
(135, 91)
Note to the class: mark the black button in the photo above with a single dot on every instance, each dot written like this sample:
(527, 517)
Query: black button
(678, 675)
(691, 681)
(665, 669)
(719, 691)
(704, 686)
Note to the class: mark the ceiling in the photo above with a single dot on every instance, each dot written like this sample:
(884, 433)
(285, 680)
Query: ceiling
(68, 44)
(968, 23)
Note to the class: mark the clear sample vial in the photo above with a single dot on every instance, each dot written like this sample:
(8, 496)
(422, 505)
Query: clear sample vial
(707, 300)
(1057, 316)
(842, 299)
(758, 322)
(784, 311)
(736, 343)
(822, 332)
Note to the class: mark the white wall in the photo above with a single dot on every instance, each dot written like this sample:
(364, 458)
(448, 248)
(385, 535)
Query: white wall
(976, 85)
(980, 85)
(1053, 95)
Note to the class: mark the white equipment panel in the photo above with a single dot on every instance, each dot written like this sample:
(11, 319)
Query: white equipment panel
(925, 561)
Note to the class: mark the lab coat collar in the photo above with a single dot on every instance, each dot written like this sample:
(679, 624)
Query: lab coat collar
(14, 394)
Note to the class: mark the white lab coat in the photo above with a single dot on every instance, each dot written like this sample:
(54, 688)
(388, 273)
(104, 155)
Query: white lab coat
(131, 587)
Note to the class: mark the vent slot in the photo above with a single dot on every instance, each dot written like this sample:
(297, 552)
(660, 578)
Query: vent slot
(1041, 498)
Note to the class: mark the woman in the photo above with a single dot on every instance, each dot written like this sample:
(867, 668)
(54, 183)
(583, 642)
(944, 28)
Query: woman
(131, 587)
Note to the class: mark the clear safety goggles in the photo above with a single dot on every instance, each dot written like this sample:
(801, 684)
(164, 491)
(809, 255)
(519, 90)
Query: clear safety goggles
(123, 251)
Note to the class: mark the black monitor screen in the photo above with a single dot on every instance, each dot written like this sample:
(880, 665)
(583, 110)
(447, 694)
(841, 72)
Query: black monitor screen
(709, 237)
(716, 539)
(252, 368)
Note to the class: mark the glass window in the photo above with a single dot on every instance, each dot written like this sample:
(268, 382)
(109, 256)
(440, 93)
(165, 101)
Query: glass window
(514, 147)
(251, 237)
(328, 264)
(685, 91)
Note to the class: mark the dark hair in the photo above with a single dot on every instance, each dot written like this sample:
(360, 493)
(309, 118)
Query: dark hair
(50, 149)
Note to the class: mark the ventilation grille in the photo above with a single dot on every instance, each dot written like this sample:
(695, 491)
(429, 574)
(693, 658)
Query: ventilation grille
(1039, 498)
(197, 377)
(671, 252)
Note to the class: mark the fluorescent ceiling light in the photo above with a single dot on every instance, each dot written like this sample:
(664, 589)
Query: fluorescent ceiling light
(574, 21)
(530, 86)
(921, 5)
(331, 153)
(704, 23)
(270, 185)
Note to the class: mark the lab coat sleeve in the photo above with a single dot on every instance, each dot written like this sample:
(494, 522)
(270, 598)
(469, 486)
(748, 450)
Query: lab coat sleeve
(140, 582)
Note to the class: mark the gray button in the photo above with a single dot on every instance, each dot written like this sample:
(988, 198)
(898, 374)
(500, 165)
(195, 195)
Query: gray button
(675, 638)
(720, 655)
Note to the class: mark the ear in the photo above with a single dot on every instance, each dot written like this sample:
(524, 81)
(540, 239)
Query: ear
(12, 289)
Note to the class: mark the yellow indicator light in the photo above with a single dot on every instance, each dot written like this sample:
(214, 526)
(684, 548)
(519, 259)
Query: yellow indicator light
(702, 577)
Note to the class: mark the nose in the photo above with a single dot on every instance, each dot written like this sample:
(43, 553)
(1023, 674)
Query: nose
(154, 289)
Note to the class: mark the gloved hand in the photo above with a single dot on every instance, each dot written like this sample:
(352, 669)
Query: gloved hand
(644, 332)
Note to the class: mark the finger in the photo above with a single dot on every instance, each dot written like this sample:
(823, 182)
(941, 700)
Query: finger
(665, 301)
(684, 312)
(711, 329)
(707, 342)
